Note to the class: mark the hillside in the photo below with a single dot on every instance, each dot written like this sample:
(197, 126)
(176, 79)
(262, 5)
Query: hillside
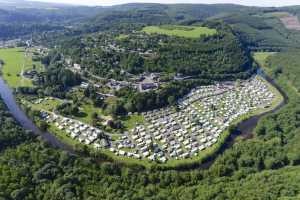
(264, 167)
(148, 101)
(269, 33)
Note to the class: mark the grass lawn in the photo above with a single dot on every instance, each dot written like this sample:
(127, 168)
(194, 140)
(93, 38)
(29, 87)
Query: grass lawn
(63, 136)
(17, 60)
(131, 121)
(49, 104)
(87, 108)
(180, 31)
(293, 62)
(122, 36)
(29, 62)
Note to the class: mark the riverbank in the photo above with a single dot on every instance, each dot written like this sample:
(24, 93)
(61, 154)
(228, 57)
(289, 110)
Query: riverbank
(8, 97)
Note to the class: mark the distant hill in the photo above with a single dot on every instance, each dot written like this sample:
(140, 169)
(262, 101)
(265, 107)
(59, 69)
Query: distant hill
(258, 27)
(22, 4)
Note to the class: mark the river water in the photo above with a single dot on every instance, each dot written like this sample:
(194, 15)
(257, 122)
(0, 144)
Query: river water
(8, 97)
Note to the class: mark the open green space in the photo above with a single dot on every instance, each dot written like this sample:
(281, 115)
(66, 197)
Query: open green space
(87, 109)
(285, 64)
(132, 121)
(122, 36)
(261, 57)
(47, 105)
(14, 60)
(180, 31)
(278, 14)
(17, 60)
(63, 136)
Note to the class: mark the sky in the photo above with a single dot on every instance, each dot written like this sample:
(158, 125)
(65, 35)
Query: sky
(242, 2)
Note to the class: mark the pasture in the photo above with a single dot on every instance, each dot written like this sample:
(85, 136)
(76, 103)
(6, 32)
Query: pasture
(180, 31)
(16, 60)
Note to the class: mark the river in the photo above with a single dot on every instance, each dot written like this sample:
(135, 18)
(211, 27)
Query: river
(8, 97)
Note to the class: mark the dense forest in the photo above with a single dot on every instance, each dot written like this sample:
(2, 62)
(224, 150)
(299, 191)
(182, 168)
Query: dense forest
(264, 167)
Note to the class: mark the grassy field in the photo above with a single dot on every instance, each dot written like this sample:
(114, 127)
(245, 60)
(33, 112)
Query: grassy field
(48, 105)
(131, 121)
(277, 14)
(17, 60)
(87, 109)
(122, 36)
(261, 57)
(287, 64)
(180, 31)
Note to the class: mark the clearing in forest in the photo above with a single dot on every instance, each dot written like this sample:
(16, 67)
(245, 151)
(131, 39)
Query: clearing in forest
(180, 31)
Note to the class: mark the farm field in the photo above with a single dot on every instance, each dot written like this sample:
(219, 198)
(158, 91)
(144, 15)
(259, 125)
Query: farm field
(180, 31)
(17, 60)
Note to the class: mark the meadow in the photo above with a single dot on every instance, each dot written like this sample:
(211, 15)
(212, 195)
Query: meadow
(17, 60)
(277, 14)
(180, 31)
(261, 57)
